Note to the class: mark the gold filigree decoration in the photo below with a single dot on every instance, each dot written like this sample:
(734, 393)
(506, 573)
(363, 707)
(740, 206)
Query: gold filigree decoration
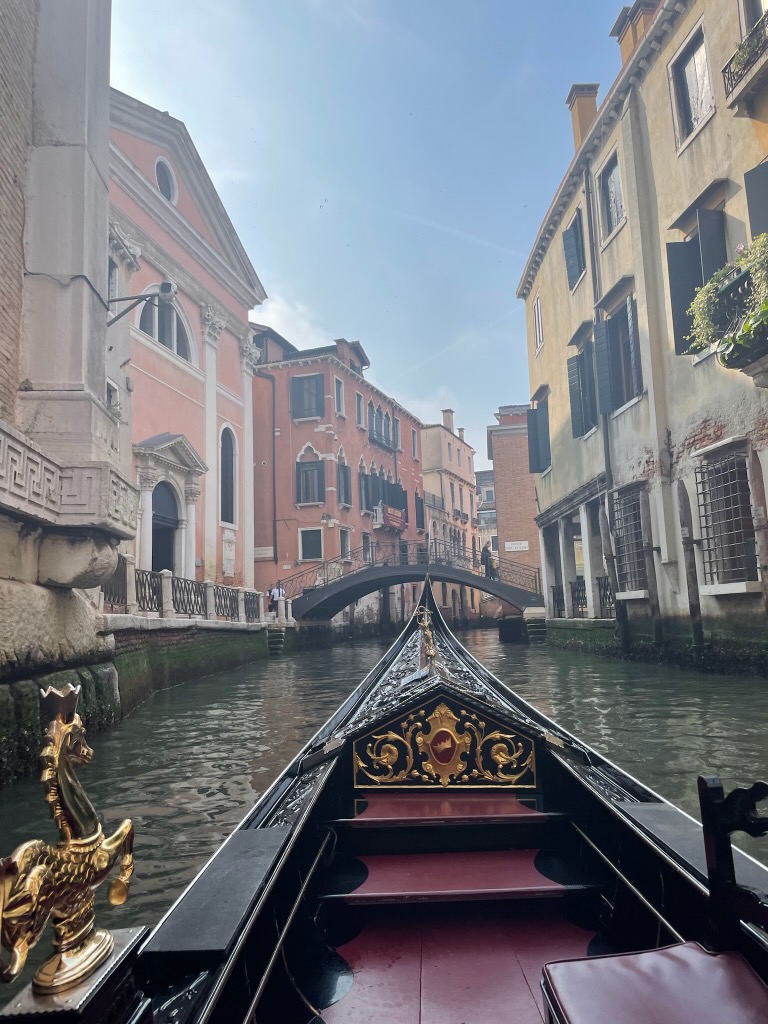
(445, 746)
(40, 881)
(424, 619)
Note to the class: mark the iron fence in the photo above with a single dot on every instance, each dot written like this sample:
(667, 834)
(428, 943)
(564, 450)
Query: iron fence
(750, 50)
(251, 602)
(115, 589)
(605, 597)
(149, 593)
(630, 557)
(558, 601)
(579, 598)
(225, 603)
(188, 596)
(727, 529)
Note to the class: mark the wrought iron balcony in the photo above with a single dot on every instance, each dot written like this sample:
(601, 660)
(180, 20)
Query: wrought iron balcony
(749, 51)
(382, 440)
(434, 501)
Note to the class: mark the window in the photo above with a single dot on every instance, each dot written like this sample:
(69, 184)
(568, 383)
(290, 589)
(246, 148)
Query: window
(113, 396)
(344, 546)
(364, 480)
(489, 495)
(450, 452)
(359, 410)
(338, 395)
(307, 396)
(453, 495)
(310, 482)
(619, 374)
(627, 531)
(414, 444)
(419, 503)
(611, 197)
(690, 264)
(753, 12)
(581, 385)
(573, 244)
(461, 498)
(344, 482)
(166, 181)
(727, 528)
(396, 433)
(161, 321)
(458, 456)
(538, 328)
(539, 455)
(693, 89)
(310, 545)
(112, 279)
(366, 540)
(387, 428)
(227, 473)
(445, 595)
(494, 543)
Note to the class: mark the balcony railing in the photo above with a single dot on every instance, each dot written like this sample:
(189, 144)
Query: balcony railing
(382, 440)
(149, 597)
(434, 501)
(748, 53)
(605, 595)
(558, 601)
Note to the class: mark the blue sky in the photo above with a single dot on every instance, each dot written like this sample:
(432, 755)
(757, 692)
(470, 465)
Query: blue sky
(386, 163)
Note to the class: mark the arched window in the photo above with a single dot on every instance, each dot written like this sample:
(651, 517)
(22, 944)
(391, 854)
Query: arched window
(166, 181)
(310, 478)
(387, 427)
(379, 421)
(371, 418)
(227, 470)
(343, 480)
(161, 321)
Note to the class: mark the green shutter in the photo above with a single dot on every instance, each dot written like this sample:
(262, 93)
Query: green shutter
(711, 242)
(321, 481)
(297, 398)
(588, 399)
(534, 458)
(319, 409)
(575, 390)
(299, 495)
(545, 454)
(635, 363)
(603, 368)
(570, 247)
(756, 187)
(684, 267)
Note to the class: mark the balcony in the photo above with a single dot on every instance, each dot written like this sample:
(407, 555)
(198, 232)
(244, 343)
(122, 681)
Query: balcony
(382, 440)
(461, 516)
(746, 73)
(434, 501)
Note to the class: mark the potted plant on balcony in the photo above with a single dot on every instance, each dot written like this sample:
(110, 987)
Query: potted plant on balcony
(730, 311)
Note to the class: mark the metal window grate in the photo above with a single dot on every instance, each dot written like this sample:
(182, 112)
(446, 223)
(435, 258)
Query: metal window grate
(630, 560)
(727, 530)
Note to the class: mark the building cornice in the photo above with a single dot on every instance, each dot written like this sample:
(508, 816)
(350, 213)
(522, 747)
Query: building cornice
(631, 75)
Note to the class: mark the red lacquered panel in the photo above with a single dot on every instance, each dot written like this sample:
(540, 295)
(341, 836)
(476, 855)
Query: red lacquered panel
(484, 874)
(430, 807)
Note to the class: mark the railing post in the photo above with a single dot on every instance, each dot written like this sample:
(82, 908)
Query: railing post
(210, 600)
(241, 604)
(260, 605)
(281, 610)
(289, 610)
(166, 594)
(131, 604)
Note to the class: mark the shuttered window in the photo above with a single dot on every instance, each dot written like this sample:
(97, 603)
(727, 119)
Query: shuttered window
(344, 483)
(310, 482)
(690, 264)
(756, 186)
(693, 87)
(611, 196)
(581, 385)
(539, 455)
(419, 503)
(307, 396)
(618, 369)
(573, 246)
(311, 545)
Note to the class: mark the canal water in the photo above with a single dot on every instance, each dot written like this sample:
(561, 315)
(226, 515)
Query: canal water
(188, 764)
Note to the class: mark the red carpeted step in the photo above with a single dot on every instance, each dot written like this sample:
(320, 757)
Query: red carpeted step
(431, 808)
(488, 874)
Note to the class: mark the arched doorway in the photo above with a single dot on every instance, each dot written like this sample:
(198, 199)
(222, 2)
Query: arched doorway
(165, 523)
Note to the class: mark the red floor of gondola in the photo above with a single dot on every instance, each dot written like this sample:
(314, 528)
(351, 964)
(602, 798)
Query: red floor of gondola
(403, 807)
(460, 967)
(500, 873)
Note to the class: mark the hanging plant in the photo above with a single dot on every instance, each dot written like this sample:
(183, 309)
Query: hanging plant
(707, 307)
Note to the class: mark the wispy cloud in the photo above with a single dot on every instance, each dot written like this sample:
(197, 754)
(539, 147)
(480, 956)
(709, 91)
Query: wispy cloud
(293, 320)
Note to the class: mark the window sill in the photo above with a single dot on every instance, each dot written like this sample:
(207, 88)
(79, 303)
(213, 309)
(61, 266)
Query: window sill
(309, 504)
(341, 415)
(579, 279)
(628, 405)
(227, 526)
(695, 133)
(362, 426)
(589, 433)
(607, 241)
(306, 419)
(300, 561)
(632, 595)
(724, 589)
(366, 512)
(547, 471)
(346, 505)
(701, 357)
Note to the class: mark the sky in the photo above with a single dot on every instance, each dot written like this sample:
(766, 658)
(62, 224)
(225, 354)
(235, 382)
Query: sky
(386, 164)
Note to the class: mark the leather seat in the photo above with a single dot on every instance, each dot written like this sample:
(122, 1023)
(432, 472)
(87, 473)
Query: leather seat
(682, 984)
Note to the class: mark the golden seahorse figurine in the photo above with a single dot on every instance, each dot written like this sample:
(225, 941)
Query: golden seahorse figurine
(41, 881)
(424, 619)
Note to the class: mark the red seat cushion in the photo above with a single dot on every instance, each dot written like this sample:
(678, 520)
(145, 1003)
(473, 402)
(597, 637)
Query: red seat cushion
(681, 984)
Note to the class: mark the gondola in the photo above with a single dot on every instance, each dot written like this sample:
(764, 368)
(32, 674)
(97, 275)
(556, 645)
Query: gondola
(440, 852)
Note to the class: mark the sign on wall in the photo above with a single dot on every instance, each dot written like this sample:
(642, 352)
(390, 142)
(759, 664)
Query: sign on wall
(393, 517)
(515, 545)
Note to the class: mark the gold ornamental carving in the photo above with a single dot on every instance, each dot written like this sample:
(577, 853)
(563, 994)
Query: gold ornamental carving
(424, 619)
(441, 745)
(40, 881)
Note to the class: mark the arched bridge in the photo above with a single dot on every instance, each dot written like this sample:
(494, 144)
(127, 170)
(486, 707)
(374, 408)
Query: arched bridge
(322, 591)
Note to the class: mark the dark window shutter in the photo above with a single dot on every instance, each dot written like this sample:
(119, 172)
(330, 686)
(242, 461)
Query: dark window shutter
(603, 368)
(419, 505)
(588, 399)
(298, 484)
(635, 363)
(363, 482)
(319, 409)
(297, 398)
(321, 481)
(684, 266)
(711, 242)
(575, 389)
(348, 484)
(534, 459)
(570, 246)
(545, 455)
(756, 186)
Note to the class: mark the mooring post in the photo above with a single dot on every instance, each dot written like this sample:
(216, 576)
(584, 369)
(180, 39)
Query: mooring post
(131, 604)
(166, 594)
(210, 600)
(241, 604)
(689, 560)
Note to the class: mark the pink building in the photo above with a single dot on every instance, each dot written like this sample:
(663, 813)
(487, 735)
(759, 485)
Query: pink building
(180, 366)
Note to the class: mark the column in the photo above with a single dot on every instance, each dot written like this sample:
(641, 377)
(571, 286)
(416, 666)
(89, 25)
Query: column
(593, 561)
(213, 325)
(246, 532)
(147, 481)
(130, 585)
(260, 600)
(568, 562)
(281, 611)
(191, 494)
(547, 576)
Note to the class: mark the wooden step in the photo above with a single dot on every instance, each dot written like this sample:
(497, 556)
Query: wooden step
(448, 877)
(405, 810)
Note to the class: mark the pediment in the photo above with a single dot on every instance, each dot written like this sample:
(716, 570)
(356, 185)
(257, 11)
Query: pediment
(172, 450)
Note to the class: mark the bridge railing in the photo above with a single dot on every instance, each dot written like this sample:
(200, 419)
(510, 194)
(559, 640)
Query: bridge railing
(379, 553)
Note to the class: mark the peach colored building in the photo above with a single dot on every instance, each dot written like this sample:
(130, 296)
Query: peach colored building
(180, 370)
(338, 462)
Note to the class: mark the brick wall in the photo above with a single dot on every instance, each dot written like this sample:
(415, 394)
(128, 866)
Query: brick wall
(515, 498)
(17, 39)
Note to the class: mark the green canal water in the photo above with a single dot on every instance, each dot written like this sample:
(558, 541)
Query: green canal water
(188, 764)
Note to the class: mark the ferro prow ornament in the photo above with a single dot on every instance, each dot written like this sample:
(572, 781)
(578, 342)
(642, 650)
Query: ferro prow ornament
(424, 619)
(39, 880)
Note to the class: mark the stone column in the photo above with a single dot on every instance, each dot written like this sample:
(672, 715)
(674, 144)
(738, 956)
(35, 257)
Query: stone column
(568, 563)
(212, 326)
(131, 603)
(241, 604)
(210, 601)
(246, 532)
(260, 600)
(289, 610)
(281, 610)
(166, 602)
(547, 576)
(147, 481)
(593, 561)
(191, 494)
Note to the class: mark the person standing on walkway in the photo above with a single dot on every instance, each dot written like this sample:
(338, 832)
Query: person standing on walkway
(486, 558)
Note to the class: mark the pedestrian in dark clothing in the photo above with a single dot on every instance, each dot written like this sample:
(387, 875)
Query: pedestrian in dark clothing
(486, 558)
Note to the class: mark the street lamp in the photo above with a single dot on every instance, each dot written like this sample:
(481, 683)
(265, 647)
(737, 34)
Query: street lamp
(163, 292)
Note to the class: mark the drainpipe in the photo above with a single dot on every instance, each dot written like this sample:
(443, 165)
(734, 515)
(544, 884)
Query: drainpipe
(271, 379)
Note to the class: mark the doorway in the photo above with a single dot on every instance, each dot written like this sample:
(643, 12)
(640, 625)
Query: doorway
(165, 523)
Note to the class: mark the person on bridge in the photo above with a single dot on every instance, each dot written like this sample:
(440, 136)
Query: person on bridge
(486, 558)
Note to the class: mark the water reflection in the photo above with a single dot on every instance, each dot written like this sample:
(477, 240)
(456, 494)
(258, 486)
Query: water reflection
(189, 763)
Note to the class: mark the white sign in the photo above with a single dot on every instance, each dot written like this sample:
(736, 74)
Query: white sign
(515, 545)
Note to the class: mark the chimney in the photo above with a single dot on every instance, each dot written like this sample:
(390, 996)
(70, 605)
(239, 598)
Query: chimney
(632, 24)
(448, 419)
(461, 433)
(582, 102)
